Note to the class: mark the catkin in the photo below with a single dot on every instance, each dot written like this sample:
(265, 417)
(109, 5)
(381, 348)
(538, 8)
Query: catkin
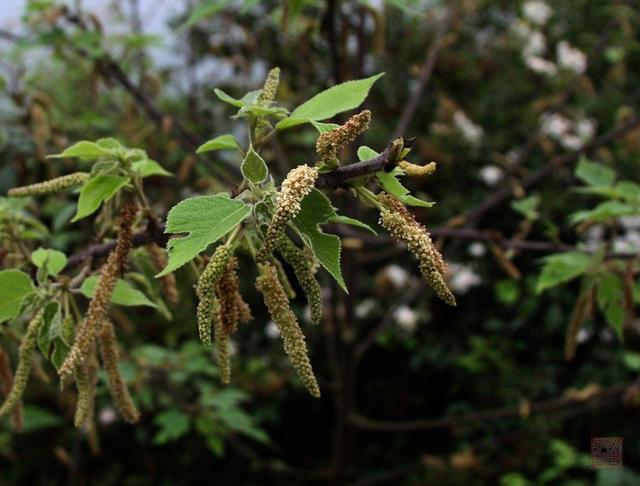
(108, 347)
(206, 291)
(24, 364)
(284, 280)
(167, 282)
(99, 305)
(294, 342)
(298, 183)
(227, 288)
(6, 382)
(330, 142)
(415, 170)
(223, 353)
(303, 267)
(244, 311)
(85, 375)
(54, 185)
(270, 88)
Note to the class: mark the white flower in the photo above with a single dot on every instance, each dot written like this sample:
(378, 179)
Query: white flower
(406, 318)
(571, 58)
(540, 65)
(491, 175)
(271, 330)
(628, 243)
(364, 308)
(471, 132)
(585, 129)
(477, 249)
(535, 44)
(536, 11)
(571, 142)
(630, 222)
(583, 335)
(554, 125)
(107, 416)
(397, 275)
(521, 29)
(463, 278)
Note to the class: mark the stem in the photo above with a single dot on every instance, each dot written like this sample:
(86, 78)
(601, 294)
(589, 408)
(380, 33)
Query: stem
(234, 235)
(368, 197)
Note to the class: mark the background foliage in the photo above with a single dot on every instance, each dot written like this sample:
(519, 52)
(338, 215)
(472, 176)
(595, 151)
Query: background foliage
(518, 102)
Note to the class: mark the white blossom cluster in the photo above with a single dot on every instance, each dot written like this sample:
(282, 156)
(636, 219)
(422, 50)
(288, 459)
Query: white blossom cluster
(572, 135)
(462, 278)
(491, 175)
(471, 132)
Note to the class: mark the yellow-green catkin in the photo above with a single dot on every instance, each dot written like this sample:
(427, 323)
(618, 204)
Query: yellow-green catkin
(167, 282)
(303, 267)
(294, 342)
(270, 87)
(226, 289)
(206, 291)
(108, 347)
(298, 183)
(415, 170)
(244, 311)
(401, 225)
(54, 185)
(99, 305)
(6, 383)
(284, 280)
(85, 387)
(330, 142)
(222, 348)
(24, 364)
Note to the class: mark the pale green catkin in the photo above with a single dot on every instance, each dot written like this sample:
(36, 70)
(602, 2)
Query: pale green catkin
(24, 364)
(270, 88)
(294, 342)
(108, 347)
(54, 185)
(206, 291)
(298, 183)
(6, 382)
(223, 353)
(86, 391)
(167, 282)
(284, 280)
(303, 268)
(99, 305)
(330, 142)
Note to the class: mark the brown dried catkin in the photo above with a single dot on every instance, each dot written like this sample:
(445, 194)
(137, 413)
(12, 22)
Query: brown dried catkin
(167, 282)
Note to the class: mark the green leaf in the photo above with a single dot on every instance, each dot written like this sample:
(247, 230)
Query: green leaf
(561, 268)
(51, 327)
(38, 418)
(206, 219)
(83, 150)
(610, 299)
(148, 167)
(55, 260)
(253, 167)
(96, 190)
(339, 98)
(603, 212)
(316, 209)
(223, 142)
(229, 99)
(323, 127)
(173, 424)
(203, 11)
(353, 222)
(366, 153)
(14, 287)
(594, 174)
(527, 206)
(123, 293)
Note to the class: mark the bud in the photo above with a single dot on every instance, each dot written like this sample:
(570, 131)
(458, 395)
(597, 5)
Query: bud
(205, 291)
(298, 183)
(329, 143)
(270, 87)
(167, 282)
(403, 226)
(108, 347)
(415, 170)
(24, 364)
(223, 355)
(303, 268)
(294, 342)
(99, 305)
(54, 185)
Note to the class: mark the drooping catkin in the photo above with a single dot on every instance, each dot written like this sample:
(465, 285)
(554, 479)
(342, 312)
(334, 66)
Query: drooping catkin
(402, 226)
(23, 369)
(330, 142)
(86, 388)
(303, 268)
(244, 311)
(223, 353)
(6, 383)
(284, 280)
(226, 289)
(415, 170)
(99, 305)
(294, 341)
(206, 291)
(270, 87)
(108, 347)
(167, 282)
(298, 183)
(54, 185)
(580, 313)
